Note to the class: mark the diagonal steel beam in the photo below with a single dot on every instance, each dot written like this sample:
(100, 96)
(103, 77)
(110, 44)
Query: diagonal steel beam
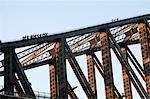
(100, 69)
(136, 64)
(128, 69)
(145, 48)
(123, 61)
(78, 72)
(22, 76)
(18, 87)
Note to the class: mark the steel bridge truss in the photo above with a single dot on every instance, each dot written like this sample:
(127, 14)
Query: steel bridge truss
(54, 50)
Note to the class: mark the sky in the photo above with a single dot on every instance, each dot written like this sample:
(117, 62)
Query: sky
(26, 17)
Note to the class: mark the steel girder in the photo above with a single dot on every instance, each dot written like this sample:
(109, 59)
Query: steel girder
(117, 50)
(60, 70)
(52, 38)
(22, 77)
(79, 74)
(9, 71)
(107, 66)
(52, 74)
(126, 79)
(12, 66)
(107, 41)
(144, 32)
(91, 72)
(136, 64)
(100, 68)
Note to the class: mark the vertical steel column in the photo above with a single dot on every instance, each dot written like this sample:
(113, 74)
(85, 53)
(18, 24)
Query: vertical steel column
(78, 72)
(145, 47)
(52, 75)
(108, 73)
(117, 50)
(99, 68)
(9, 73)
(60, 65)
(91, 72)
(126, 80)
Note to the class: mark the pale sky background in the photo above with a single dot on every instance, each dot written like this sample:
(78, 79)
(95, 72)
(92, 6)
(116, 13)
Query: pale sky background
(26, 17)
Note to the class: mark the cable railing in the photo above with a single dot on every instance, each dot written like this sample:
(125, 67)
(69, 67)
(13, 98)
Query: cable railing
(39, 95)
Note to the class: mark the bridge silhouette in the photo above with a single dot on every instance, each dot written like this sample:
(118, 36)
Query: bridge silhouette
(55, 49)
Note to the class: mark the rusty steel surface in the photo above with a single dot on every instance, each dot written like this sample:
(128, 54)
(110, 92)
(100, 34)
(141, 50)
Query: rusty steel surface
(54, 50)
(126, 79)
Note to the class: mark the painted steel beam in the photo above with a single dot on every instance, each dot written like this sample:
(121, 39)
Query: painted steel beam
(126, 80)
(52, 38)
(107, 65)
(50, 61)
(145, 48)
(136, 64)
(60, 66)
(16, 85)
(22, 76)
(60, 58)
(117, 50)
(53, 88)
(79, 74)
(91, 72)
(98, 65)
(100, 69)
(9, 73)
(38, 64)
(35, 53)
(128, 69)
(11, 67)
(34, 65)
